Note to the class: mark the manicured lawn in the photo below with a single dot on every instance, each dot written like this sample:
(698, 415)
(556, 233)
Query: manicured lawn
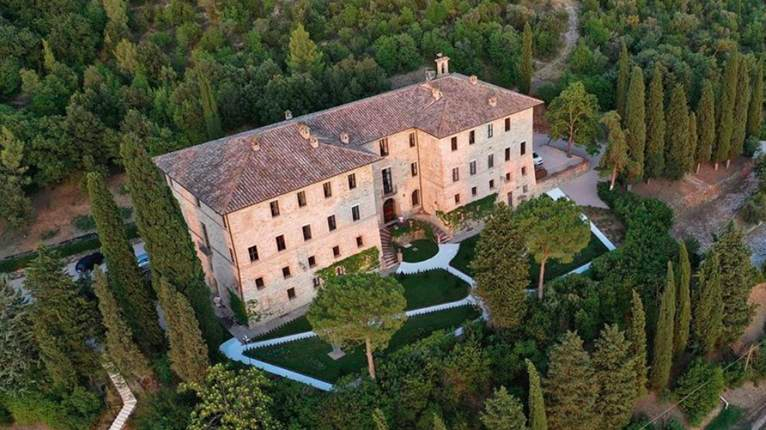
(432, 288)
(419, 250)
(553, 269)
(310, 356)
(298, 325)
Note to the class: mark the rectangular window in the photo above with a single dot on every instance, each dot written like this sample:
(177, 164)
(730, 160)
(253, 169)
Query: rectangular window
(507, 154)
(253, 251)
(508, 177)
(355, 213)
(474, 191)
(412, 140)
(312, 261)
(306, 232)
(327, 186)
(281, 246)
(259, 283)
(508, 124)
(231, 254)
(457, 198)
(388, 181)
(414, 169)
(286, 272)
(489, 130)
(383, 147)
(204, 235)
(301, 199)
(472, 168)
(491, 184)
(525, 188)
(472, 137)
(523, 148)
(453, 143)
(455, 174)
(331, 222)
(274, 208)
(291, 293)
(352, 181)
(359, 241)
(336, 251)
(524, 171)
(490, 161)
(316, 282)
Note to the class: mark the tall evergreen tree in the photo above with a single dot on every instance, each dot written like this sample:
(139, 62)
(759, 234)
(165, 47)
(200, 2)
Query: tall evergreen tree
(166, 237)
(737, 280)
(304, 56)
(635, 123)
(708, 305)
(725, 112)
(525, 67)
(755, 112)
(570, 388)
(379, 418)
(683, 305)
(662, 359)
(15, 206)
(691, 147)
(187, 353)
(501, 269)
(654, 163)
(614, 371)
(503, 411)
(120, 347)
(537, 416)
(623, 79)
(706, 124)
(130, 290)
(677, 137)
(209, 107)
(636, 334)
(21, 368)
(741, 107)
(62, 323)
(439, 422)
(615, 157)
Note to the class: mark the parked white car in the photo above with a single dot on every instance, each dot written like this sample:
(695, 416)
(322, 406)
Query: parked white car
(538, 160)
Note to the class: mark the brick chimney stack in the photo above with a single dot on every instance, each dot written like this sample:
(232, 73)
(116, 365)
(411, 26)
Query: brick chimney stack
(442, 65)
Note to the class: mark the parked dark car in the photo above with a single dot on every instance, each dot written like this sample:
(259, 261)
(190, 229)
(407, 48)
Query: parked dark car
(87, 263)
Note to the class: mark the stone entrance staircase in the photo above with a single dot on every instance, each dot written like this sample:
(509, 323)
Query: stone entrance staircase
(389, 253)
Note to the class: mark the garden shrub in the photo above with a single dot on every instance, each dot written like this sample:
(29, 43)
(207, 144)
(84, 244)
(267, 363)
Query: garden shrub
(164, 410)
(84, 222)
(361, 262)
(708, 381)
(238, 308)
(75, 411)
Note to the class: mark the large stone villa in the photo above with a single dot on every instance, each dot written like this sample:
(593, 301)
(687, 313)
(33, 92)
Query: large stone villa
(271, 207)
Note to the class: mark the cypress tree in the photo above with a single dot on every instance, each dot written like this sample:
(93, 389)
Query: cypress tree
(503, 411)
(683, 306)
(623, 77)
(21, 368)
(130, 290)
(725, 111)
(636, 334)
(662, 359)
(635, 123)
(741, 107)
(166, 237)
(693, 142)
(677, 137)
(708, 305)
(120, 346)
(654, 163)
(614, 367)
(537, 417)
(737, 277)
(209, 107)
(705, 124)
(525, 67)
(187, 353)
(755, 112)
(570, 388)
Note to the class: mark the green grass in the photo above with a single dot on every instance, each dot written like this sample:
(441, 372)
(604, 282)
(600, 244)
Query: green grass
(310, 356)
(727, 419)
(553, 269)
(298, 325)
(419, 250)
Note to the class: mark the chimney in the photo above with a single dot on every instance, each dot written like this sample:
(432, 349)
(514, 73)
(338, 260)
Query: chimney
(436, 93)
(314, 142)
(492, 101)
(442, 65)
(288, 114)
(344, 137)
(304, 130)
(255, 145)
(473, 79)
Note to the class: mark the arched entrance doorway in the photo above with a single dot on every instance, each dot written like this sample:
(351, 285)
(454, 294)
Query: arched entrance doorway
(389, 211)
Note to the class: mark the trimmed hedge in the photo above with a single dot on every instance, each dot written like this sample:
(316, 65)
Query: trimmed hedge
(364, 261)
(476, 210)
(238, 308)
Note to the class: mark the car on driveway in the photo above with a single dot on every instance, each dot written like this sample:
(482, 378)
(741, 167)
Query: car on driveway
(538, 160)
(142, 260)
(87, 263)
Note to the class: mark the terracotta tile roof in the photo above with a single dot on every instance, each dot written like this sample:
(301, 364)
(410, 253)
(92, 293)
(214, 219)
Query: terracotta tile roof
(228, 174)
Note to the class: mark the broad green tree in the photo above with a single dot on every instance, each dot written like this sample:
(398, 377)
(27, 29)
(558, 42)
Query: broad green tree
(654, 163)
(614, 372)
(129, 289)
(209, 107)
(21, 369)
(700, 387)
(526, 65)
(705, 125)
(725, 110)
(304, 56)
(623, 79)
(741, 107)
(615, 159)
(683, 297)
(554, 229)
(537, 416)
(635, 123)
(501, 269)
(570, 388)
(503, 411)
(755, 112)
(636, 334)
(120, 346)
(233, 400)
(662, 357)
(359, 309)
(707, 324)
(573, 116)
(677, 136)
(15, 206)
(166, 237)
